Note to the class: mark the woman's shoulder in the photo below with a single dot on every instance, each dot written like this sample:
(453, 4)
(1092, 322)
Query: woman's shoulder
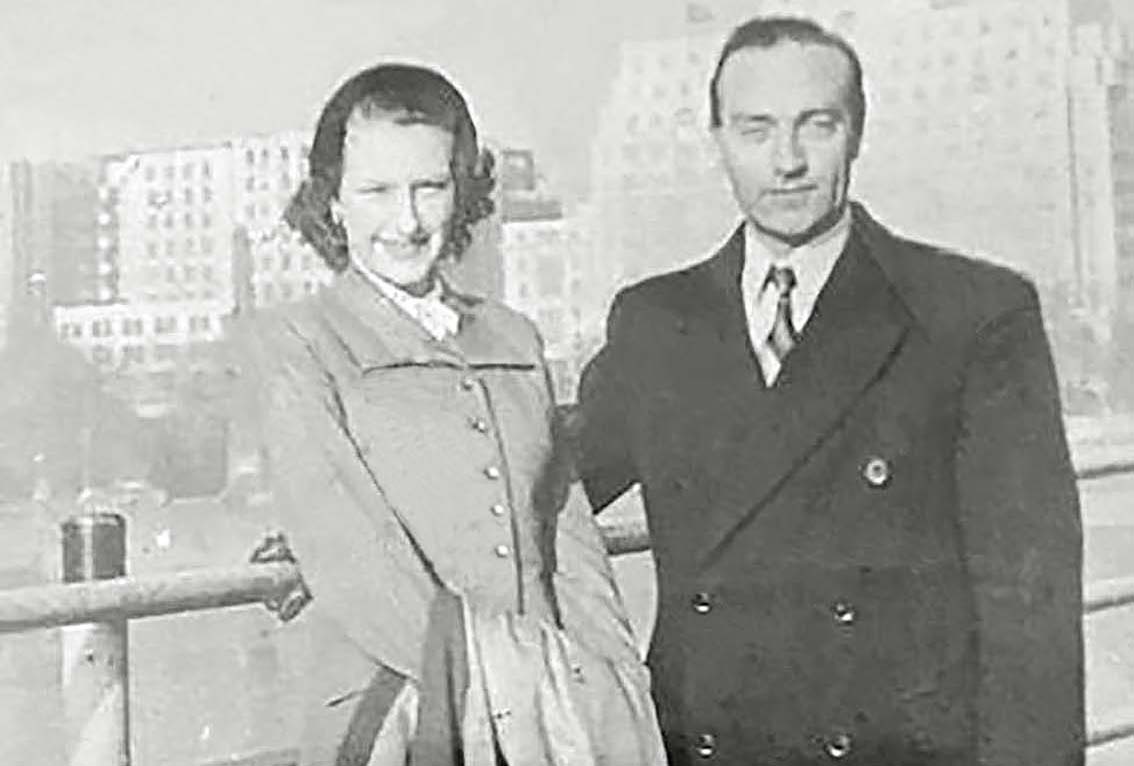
(277, 335)
(505, 321)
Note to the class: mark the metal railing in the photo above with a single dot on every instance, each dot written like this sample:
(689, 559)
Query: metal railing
(96, 601)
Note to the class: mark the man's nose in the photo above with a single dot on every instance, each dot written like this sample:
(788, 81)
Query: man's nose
(790, 159)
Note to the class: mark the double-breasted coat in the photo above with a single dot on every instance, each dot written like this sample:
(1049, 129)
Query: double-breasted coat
(402, 467)
(876, 560)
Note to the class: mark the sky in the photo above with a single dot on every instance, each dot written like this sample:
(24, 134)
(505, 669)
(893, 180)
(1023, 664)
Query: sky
(79, 77)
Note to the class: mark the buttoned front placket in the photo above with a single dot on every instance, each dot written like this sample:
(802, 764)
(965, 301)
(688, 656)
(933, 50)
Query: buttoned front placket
(481, 418)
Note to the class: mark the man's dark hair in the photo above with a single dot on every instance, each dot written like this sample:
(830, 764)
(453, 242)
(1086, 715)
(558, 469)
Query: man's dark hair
(768, 31)
(405, 94)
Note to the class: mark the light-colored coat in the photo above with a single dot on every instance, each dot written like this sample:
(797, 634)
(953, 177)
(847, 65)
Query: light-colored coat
(392, 454)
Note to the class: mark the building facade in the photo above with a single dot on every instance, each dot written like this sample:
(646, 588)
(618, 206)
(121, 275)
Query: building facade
(176, 221)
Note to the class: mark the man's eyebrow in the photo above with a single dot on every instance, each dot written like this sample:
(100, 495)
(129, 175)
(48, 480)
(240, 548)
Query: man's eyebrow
(822, 111)
(746, 118)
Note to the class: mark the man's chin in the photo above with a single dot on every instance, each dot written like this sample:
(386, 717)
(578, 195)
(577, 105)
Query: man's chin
(795, 230)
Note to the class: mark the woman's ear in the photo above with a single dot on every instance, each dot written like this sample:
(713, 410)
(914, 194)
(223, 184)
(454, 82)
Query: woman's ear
(336, 209)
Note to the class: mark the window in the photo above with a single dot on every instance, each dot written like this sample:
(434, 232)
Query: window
(206, 195)
(170, 250)
(206, 169)
(250, 157)
(188, 196)
(169, 172)
(150, 173)
(151, 222)
(152, 250)
(206, 245)
(284, 154)
(168, 220)
(101, 355)
(286, 291)
(207, 272)
(250, 183)
(206, 220)
(188, 220)
(250, 212)
(264, 156)
(285, 262)
(171, 274)
(187, 171)
(133, 354)
(190, 273)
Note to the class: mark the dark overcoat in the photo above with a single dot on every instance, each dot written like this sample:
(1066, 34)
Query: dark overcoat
(876, 561)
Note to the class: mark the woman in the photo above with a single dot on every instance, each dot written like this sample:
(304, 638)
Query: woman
(468, 615)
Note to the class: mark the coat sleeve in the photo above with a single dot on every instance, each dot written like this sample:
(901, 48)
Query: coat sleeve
(1021, 529)
(605, 461)
(364, 580)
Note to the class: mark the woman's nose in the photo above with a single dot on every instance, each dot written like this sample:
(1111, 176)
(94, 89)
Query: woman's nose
(408, 220)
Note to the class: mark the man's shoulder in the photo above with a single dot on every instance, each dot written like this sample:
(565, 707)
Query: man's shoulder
(943, 287)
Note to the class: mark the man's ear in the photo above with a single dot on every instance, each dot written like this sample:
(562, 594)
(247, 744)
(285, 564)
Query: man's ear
(336, 209)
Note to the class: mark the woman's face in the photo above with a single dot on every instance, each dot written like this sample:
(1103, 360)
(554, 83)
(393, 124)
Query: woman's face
(396, 198)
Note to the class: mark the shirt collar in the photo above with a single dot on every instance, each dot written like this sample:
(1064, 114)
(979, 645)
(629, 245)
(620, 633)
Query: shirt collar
(812, 261)
(429, 310)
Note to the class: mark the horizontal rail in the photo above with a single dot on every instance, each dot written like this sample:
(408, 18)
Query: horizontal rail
(1103, 469)
(1106, 735)
(52, 606)
(1108, 594)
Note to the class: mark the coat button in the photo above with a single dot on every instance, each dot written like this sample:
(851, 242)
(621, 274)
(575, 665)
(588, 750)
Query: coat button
(844, 613)
(502, 551)
(876, 472)
(479, 424)
(839, 746)
(467, 384)
(702, 603)
(706, 745)
(492, 472)
(498, 509)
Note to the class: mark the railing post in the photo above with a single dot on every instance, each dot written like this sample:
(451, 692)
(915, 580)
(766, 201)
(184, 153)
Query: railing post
(95, 660)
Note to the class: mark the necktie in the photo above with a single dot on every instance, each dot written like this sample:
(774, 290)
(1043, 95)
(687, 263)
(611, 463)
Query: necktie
(783, 337)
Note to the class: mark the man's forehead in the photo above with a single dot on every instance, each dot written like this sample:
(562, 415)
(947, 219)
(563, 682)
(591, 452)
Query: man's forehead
(802, 75)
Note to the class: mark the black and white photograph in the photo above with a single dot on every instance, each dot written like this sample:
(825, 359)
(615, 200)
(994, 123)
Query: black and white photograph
(544, 383)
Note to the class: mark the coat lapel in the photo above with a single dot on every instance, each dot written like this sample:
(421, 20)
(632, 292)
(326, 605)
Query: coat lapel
(857, 324)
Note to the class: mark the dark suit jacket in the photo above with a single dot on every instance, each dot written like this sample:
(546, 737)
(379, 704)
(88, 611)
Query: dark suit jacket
(878, 560)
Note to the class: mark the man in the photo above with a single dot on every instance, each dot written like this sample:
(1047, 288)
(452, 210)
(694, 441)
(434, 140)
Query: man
(850, 448)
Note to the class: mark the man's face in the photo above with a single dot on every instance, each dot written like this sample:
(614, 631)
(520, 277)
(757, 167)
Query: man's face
(786, 138)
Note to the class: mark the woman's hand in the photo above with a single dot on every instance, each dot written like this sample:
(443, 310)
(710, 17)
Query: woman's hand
(272, 550)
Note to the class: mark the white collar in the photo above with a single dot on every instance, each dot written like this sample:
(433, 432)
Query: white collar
(812, 263)
(429, 310)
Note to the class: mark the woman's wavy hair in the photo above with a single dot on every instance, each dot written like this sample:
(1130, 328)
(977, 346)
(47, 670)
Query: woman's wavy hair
(408, 95)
